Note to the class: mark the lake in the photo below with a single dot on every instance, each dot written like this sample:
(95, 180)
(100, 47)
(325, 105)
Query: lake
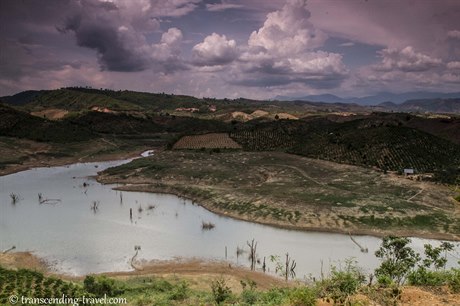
(77, 239)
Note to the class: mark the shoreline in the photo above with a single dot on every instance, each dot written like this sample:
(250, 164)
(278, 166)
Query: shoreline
(185, 267)
(61, 162)
(207, 204)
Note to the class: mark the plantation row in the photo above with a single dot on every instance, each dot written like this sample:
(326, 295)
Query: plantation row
(264, 140)
(386, 147)
(33, 284)
(208, 141)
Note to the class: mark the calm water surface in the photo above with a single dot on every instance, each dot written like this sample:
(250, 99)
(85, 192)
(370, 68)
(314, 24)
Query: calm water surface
(78, 240)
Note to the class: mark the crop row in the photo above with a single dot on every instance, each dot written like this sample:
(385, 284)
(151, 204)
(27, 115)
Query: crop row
(33, 284)
(208, 141)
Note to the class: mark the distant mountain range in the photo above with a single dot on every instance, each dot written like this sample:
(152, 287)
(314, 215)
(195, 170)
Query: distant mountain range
(451, 106)
(375, 99)
(77, 99)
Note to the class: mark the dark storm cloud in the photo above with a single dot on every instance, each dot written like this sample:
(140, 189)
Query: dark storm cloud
(97, 26)
(114, 53)
(225, 47)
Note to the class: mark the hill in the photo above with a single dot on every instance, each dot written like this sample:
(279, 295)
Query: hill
(77, 98)
(14, 123)
(384, 141)
(375, 99)
(446, 106)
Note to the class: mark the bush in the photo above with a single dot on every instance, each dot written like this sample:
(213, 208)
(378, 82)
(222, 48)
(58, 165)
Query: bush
(398, 259)
(303, 296)
(274, 296)
(220, 291)
(249, 295)
(454, 280)
(179, 292)
(425, 277)
(342, 283)
(101, 285)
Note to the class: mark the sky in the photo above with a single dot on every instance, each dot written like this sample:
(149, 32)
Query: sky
(231, 48)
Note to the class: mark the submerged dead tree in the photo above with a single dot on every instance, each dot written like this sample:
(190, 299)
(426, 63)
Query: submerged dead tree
(290, 266)
(14, 198)
(42, 200)
(252, 253)
(95, 206)
(363, 249)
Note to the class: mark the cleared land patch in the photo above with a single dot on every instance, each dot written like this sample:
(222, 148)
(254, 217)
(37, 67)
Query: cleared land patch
(208, 141)
(52, 113)
(297, 192)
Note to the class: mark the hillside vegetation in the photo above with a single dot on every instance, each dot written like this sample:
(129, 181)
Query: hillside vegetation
(372, 141)
(14, 123)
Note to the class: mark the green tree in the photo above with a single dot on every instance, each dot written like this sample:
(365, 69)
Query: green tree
(433, 255)
(398, 259)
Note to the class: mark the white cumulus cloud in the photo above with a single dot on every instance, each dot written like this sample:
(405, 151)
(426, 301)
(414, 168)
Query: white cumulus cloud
(214, 50)
(406, 60)
(288, 30)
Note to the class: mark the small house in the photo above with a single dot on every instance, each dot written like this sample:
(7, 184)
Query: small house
(409, 171)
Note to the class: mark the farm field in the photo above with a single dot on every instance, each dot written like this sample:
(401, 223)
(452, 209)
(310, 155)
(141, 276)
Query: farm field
(297, 192)
(207, 141)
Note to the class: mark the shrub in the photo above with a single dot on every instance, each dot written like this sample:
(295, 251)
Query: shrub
(101, 285)
(303, 296)
(179, 292)
(274, 296)
(425, 277)
(398, 259)
(220, 290)
(454, 280)
(342, 283)
(249, 295)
